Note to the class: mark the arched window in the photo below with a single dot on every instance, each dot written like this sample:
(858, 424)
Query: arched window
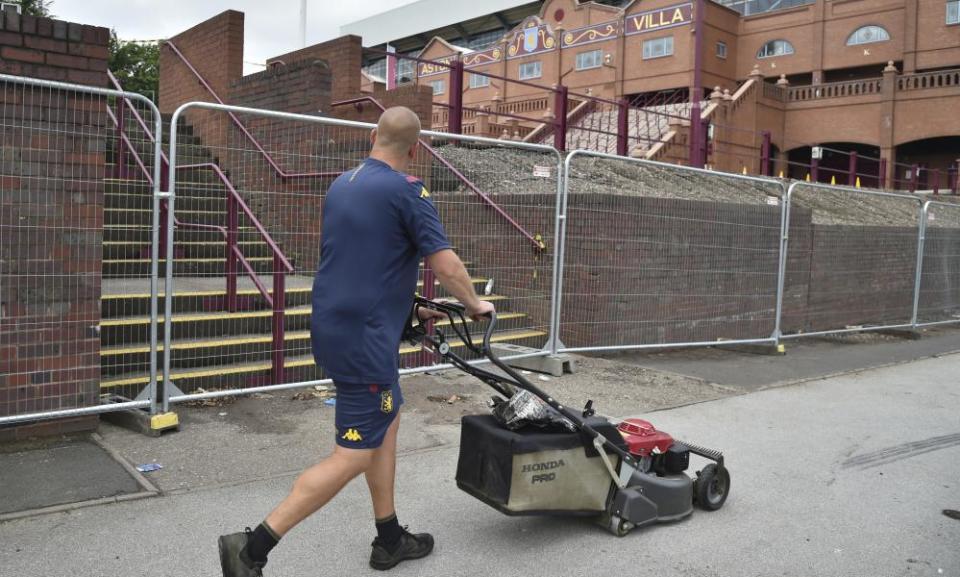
(868, 35)
(775, 48)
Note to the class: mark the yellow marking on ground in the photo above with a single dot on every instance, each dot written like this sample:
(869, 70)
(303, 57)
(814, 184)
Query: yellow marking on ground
(253, 368)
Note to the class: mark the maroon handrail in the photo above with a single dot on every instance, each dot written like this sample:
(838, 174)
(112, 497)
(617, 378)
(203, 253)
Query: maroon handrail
(538, 244)
(236, 121)
(280, 172)
(281, 265)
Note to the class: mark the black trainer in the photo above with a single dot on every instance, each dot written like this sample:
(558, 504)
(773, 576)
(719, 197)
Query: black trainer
(410, 547)
(233, 556)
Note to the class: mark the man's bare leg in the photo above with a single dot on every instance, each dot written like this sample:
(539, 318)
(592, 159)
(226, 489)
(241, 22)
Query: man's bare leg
(381, 473)
(317, 485)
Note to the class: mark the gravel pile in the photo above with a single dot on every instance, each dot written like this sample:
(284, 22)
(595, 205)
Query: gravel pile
(498, 171)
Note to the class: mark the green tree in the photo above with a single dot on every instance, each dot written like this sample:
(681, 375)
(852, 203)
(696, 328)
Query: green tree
(136, 65)
(35, 7)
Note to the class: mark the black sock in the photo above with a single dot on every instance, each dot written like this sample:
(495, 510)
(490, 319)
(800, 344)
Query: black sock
(261, 542)
(389, 531)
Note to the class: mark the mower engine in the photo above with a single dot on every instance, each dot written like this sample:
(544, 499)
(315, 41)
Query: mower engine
(655, 450)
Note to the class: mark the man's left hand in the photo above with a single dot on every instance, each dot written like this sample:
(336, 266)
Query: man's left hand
(426, 314)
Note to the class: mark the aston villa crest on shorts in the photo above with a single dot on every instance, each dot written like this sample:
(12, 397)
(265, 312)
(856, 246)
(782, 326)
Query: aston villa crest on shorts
(386, 401)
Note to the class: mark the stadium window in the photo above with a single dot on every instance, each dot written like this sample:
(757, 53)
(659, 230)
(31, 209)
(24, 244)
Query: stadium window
(658, 47)
(722, 50)
(588, 60)
(530, 70)
(439, 86)
(953, 12)
(868, 35)
(775, 48)
(479, 81)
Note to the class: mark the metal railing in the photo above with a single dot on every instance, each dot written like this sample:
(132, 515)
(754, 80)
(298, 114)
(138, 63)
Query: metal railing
(464, 213)
(75, 153)
(537, 244)
(234, 254)
(665, 256)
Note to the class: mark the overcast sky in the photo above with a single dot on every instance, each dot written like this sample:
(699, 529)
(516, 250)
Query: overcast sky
(272, 26)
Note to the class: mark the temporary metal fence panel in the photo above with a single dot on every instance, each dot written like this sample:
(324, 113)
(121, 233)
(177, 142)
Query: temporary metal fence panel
(938, 287)
(248, 187)
(658, 255)
(851, 260)
(79, 182)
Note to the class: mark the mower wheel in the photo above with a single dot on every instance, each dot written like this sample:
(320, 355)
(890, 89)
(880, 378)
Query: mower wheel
(711, 488)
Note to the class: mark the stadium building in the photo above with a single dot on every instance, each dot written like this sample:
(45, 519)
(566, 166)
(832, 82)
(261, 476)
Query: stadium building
(875, 77)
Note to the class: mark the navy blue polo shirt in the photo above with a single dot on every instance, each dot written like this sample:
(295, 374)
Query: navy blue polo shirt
(377, 225)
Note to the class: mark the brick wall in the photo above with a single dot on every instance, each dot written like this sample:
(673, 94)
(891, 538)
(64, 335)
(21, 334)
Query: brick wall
(51, 221)
(53, 49)
(215, 49)
(288, 208)
(345, 57)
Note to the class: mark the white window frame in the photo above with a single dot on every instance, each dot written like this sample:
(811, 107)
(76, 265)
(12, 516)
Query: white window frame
(780, 47)
(479, 81)
(595, 60)
(721, 49)
(665, 41)
(524, 75)
(953, 12)
(439, 87)
(881, 35)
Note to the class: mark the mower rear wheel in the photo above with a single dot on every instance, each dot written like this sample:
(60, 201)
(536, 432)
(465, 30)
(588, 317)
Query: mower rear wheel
(711, 488)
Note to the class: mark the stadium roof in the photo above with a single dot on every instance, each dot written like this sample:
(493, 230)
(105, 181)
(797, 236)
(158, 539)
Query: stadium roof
(411, 26)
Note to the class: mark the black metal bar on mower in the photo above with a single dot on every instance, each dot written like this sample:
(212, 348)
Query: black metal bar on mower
(503, 385)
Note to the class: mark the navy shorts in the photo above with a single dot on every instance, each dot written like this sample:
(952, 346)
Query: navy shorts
(364, 413)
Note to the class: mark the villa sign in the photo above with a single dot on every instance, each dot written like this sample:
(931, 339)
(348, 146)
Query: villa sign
(659, 19)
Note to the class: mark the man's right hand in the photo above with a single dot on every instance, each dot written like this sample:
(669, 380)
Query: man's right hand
(480, 310)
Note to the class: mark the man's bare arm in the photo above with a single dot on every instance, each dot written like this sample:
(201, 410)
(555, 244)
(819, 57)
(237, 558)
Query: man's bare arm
(453, 276)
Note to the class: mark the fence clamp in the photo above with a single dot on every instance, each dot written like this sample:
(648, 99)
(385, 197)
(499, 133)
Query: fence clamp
(164, 194)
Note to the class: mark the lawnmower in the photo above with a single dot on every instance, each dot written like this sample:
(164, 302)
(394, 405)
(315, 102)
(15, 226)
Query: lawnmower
(536, 456)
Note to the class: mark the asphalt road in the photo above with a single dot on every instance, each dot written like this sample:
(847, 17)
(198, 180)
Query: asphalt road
(843, 476)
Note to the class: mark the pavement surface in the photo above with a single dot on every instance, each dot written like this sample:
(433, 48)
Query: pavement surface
(65, 472)
(845, 475)
(805, 358)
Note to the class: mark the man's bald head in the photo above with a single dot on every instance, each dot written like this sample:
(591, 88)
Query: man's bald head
(397, 132)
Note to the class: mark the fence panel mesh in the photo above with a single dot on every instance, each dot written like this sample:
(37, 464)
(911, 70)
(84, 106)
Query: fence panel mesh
(658, 254)
(76, 173)
(265, 185)
(851, 260)
(939, 300)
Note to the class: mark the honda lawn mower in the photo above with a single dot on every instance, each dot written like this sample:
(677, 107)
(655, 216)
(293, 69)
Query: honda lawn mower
(535, 456)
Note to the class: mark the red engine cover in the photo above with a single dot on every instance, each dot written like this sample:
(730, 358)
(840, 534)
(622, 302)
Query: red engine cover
(643, 439)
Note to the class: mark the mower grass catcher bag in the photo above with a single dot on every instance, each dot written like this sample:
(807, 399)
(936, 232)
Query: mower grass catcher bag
(532, 472)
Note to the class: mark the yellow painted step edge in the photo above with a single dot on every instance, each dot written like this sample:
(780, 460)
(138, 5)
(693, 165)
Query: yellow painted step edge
(287, 365)
(209, 344)
(245, 292)
(245, 315)
(184, 260)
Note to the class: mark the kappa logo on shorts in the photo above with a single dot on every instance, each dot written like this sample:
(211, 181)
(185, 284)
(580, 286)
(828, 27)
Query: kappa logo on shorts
(352, 435)
(386, 401)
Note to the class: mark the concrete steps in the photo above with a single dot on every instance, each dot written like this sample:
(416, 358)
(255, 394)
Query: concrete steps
(211, 348)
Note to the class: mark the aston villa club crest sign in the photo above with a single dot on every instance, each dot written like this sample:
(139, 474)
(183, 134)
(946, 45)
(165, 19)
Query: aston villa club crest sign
(530, 39)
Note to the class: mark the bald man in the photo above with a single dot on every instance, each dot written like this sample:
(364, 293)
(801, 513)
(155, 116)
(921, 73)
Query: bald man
(378, 222)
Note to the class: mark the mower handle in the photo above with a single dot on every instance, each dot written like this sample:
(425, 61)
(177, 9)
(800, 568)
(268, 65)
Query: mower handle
(455, 312)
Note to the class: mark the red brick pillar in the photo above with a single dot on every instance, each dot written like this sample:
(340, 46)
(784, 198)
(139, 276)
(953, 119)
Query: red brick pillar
(51, 222)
